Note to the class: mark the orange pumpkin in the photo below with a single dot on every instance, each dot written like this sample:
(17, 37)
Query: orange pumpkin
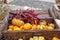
(43, 23)
(46, 27)
(16, 28)
(11, 27)
(21, 28)
(27, 26)
(34, 27)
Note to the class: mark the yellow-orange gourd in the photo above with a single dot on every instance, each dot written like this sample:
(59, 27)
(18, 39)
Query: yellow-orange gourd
(55, 38)
(11, 27)
(17, 22)
(16, 28)
(34, 27)
(27, 26)
(43, 23)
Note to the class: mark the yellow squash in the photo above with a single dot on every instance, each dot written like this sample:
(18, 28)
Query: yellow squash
(17, 22)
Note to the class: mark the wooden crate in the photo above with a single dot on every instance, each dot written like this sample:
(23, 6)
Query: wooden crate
(15, 35)
(26, 34)
(47, 35)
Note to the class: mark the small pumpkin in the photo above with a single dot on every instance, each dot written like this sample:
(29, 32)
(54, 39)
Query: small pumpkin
(27, 26)
(11, 27)
(55, 38)
(16, 28)
(17, 22)
(34, 27)
(43, 23)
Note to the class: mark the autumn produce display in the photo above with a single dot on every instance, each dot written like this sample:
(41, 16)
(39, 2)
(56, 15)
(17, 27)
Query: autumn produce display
(17, 24)
(27, 25)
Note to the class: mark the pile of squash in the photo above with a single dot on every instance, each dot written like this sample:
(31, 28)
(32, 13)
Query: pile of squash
(17, 24)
